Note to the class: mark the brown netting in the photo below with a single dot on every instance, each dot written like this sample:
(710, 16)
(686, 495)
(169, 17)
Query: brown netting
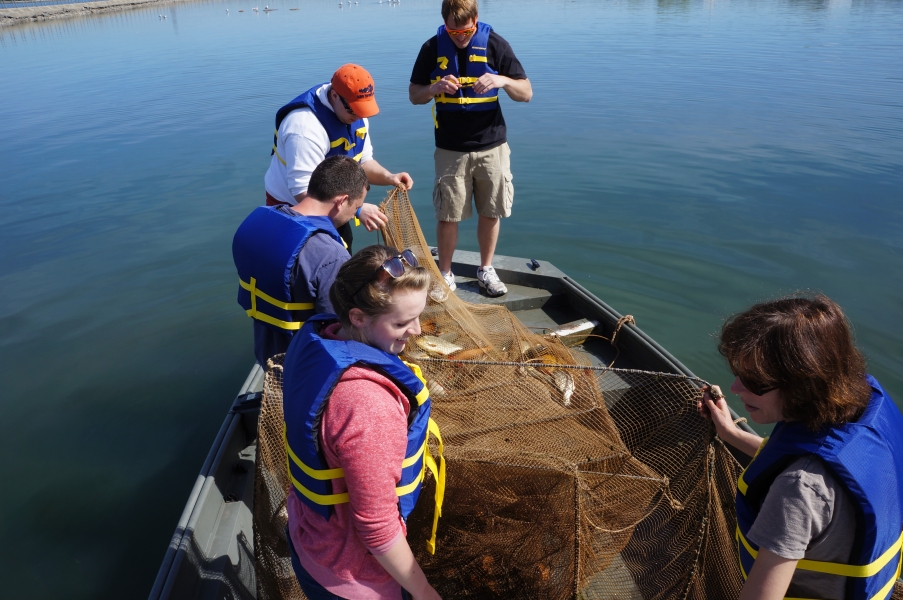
(564, 480)
(273, 564)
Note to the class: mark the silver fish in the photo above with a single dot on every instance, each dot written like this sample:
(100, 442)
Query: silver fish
(565, 384)
(437, 346)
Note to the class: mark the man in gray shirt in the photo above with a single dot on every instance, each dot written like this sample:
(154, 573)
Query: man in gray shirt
(288, 256)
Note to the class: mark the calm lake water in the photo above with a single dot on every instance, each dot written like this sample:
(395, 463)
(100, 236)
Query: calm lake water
(682, 159)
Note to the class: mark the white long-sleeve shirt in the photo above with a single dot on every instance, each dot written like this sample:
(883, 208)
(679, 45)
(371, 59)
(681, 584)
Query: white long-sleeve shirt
(303, 144)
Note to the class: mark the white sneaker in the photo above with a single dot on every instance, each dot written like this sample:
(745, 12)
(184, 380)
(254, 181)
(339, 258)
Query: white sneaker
(489, 281)
(449, 280)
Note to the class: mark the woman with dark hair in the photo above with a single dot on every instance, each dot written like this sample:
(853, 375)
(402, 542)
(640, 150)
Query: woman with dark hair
(820, 507)
(357, 420)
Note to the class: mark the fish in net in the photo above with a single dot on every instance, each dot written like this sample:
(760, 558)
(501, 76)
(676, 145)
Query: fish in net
(564, 479)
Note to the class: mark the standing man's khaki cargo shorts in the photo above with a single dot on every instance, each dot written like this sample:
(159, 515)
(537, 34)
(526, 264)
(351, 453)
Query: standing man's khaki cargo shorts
(484, 175)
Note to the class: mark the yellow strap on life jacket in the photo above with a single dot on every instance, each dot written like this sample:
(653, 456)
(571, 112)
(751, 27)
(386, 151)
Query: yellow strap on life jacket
(475, 58)
(275, 150)
(439, 475)
(443, 62)
(842, 569)
(279, 156)
(463, 81)
(424, 393)
(339, 142)
(253, 312)
(443, 99)
(339, 473)
(361, 132)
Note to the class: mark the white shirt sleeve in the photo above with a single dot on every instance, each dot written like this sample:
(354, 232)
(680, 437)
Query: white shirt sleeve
(305, 143)
(368, 147)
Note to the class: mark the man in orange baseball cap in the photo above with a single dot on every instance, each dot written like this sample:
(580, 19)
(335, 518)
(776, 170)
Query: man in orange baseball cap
(329, 119)
(355, 85)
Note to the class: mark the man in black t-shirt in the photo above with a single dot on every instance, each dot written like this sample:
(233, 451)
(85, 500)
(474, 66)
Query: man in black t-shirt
(462, 69)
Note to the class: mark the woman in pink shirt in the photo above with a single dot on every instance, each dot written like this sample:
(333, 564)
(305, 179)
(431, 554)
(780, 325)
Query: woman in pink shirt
(353, 413)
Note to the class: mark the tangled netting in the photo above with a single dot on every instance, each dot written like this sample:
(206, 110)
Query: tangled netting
(564, 480)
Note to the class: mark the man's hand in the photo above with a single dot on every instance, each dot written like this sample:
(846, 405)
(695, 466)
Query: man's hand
(447, 85)
(401, 180)
(372, 218)
(379, 175)
(488, 82)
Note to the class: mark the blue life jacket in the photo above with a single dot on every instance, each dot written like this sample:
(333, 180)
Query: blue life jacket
(264, 249)
(312, 368)
(344, 140)
(867, 457)
(447, 64)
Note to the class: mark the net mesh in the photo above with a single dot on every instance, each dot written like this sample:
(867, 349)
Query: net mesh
(564, 480)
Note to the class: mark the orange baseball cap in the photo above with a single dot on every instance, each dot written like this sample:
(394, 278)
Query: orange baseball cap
(355, 85)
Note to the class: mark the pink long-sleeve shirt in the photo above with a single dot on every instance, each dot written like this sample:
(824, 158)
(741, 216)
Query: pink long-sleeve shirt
(364, 432)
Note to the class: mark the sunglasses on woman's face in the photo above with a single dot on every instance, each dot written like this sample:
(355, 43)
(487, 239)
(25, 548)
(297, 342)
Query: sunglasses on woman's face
(393, 266)
(755, 388)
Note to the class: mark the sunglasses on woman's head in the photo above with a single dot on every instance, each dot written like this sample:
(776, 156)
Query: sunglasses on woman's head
(393, 266)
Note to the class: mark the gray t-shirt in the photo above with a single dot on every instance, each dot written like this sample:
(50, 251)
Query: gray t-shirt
(807, 513)
(315, 270)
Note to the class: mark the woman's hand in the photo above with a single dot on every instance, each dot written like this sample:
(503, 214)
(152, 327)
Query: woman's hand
(716, 410)
(400, 563)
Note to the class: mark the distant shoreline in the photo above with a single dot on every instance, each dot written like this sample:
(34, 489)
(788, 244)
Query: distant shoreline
(30, 14)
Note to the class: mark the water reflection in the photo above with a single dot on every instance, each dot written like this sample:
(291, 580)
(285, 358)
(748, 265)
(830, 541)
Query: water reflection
(674, 5)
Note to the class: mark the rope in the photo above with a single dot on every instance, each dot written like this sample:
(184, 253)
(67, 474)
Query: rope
(501, 363)
(621, 321)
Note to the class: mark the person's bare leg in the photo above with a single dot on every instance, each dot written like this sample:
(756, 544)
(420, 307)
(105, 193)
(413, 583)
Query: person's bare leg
(447, 241)
(487, 236)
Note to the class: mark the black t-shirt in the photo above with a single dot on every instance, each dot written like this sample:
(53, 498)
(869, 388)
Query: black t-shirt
(472, 130)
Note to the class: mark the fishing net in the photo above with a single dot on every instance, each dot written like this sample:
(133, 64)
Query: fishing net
(564, 479)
